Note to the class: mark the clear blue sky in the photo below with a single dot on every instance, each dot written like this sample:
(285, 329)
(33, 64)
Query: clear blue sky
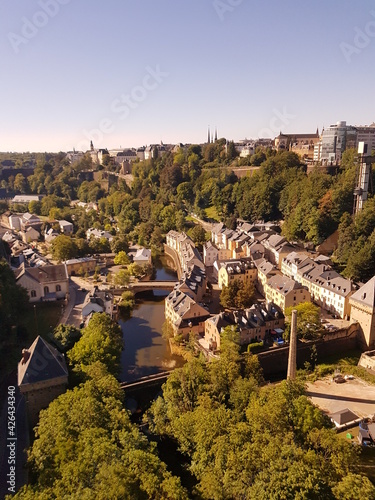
(233, 64)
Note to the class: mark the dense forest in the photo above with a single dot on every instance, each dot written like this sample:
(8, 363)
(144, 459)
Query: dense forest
(199, 179)
(239, 438)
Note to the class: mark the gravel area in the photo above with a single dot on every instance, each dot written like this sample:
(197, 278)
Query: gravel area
(357, 395)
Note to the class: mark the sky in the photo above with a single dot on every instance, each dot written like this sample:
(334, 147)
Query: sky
(127, 73)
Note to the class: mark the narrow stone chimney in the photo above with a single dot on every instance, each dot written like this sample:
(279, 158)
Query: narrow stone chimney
(25, 356)
(292, 361)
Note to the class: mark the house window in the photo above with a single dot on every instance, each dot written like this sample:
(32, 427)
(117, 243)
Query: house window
(46, 289)
(33, 293)
(58, 288)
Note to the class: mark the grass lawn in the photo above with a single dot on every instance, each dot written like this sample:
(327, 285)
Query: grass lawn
(38, 320)
(345, 363)
(211, 213)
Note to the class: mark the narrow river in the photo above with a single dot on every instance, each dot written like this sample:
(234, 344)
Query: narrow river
(145, 350)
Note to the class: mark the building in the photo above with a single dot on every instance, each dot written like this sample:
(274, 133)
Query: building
(335, 140)
(328, 288)
(265, 271)
(252, 324)
(285, 292)
(47, 283)
(210, 254)
(301, 144)
(42, 377)
(242, 270)
(99, 301)
(142, 256)
(66, 227)
(193, 282)
(26, 198)
(98, 234)
(80, 266)
(29, 234)
(184, 314)
(362, 311)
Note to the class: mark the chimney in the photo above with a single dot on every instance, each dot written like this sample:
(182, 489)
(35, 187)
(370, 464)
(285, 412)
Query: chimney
(292, 361)
(25, 356)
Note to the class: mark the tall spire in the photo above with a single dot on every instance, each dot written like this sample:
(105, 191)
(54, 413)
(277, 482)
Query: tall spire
(209, 135)
(215, 134)
(91, 146)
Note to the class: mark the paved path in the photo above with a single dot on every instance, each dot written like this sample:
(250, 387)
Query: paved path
(356, 395)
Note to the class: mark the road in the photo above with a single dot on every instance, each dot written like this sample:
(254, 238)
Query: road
(73, 311)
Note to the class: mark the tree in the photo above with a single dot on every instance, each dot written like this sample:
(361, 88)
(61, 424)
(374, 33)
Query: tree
(308, 320)
(13, 300)
(101, 341)
(237, 294)
(354, 487)
(64, 248)
(119, 243)
(198, 235)
(65, 336)
(122, 278)
(87, 447)
(121, 259)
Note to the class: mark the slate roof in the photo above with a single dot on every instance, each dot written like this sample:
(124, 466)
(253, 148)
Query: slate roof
(366, 294)
(44, 362)
(343, 417)
(46, 274)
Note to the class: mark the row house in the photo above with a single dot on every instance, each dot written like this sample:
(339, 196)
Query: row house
(193, 283)
(176, 240)
(211, 254)
(285, 292)
(276, 247)
(265, 271)
(252, 324)
(328, 289)
(184, 314)
(243, 270)
(189, 256)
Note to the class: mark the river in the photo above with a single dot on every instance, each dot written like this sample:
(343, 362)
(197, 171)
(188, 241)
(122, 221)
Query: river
(146, 352)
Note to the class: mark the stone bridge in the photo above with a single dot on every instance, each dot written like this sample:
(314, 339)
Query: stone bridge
(146, 382)
(144, 286)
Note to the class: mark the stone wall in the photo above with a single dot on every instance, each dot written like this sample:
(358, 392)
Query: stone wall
(275, 361)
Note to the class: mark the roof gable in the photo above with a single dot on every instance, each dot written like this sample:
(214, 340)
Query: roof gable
(41, 362)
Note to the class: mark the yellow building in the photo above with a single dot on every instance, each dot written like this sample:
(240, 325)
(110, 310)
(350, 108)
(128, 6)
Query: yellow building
(242, 270)
(285, 292)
